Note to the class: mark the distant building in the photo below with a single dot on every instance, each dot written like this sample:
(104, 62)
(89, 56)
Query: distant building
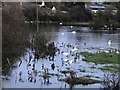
(94, 8)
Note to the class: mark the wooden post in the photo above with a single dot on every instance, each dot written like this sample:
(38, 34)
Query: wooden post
(37, 16)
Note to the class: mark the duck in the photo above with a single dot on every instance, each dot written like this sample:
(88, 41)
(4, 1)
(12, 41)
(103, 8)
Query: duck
(43, 4)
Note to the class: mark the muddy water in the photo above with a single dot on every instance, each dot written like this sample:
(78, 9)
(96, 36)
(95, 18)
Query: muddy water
(80, 38)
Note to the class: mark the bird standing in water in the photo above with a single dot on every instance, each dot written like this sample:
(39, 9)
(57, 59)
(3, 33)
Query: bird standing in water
(109, 42)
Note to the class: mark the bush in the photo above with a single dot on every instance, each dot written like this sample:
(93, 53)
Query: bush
(111, 81)
(14, 34)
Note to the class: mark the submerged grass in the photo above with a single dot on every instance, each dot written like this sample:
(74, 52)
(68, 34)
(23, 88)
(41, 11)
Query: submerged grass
(66, 71)
(113, 68)
(102, 57)
(81, 70)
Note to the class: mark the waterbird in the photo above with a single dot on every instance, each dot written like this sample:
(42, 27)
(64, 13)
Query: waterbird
(117, 52)
(60, 23)
(65, 60)
(75, 49)
(70, 61)
(31, 21)
(71, 26)
(26, 21)
(73, 32)
(106, 51)
(53, 8)
(105, 26)
(62, 33)
(21, 3)
(43, 4)
(65, 54)
(109, 42)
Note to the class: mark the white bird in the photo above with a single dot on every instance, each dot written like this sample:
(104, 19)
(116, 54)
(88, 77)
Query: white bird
(62, 33)
(53, 8)
(65, 60)
(70, 61)
(26, 22)
(43, 4)
(60, 23)
(117, 52)
(65, 54)
(106, 51)
(21, 3)
(75, 49)
(73, 32)
(31, 21)
(83, 58)
(109, 42)
(71, 26)
(105, 26)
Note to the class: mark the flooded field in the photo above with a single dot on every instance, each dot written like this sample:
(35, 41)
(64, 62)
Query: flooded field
(70, 41)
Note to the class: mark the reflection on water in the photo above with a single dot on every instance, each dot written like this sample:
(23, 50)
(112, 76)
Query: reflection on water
(32, 72)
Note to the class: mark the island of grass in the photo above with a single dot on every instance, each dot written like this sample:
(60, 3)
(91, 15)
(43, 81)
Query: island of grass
(82, 70)
(112, 68)
(67, 71)
(80, 80)
(101, 57)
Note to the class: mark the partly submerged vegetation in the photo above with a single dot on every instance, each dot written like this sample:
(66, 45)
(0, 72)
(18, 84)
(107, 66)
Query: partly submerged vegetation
(80, 80)
(101, 57)
(112, 68)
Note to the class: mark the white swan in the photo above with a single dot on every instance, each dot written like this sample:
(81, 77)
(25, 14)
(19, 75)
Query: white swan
(71, 26)
(60, 23)
(53, 8)
(117, 52)
(43, 4)
(31, 21)
(73, 32)
(62, 33)
(65, 60)
(109, 42)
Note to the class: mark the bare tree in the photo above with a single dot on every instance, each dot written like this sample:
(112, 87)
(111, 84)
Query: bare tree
(111, 81)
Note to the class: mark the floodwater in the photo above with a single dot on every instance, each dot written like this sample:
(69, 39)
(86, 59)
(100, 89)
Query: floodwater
(80, 39)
